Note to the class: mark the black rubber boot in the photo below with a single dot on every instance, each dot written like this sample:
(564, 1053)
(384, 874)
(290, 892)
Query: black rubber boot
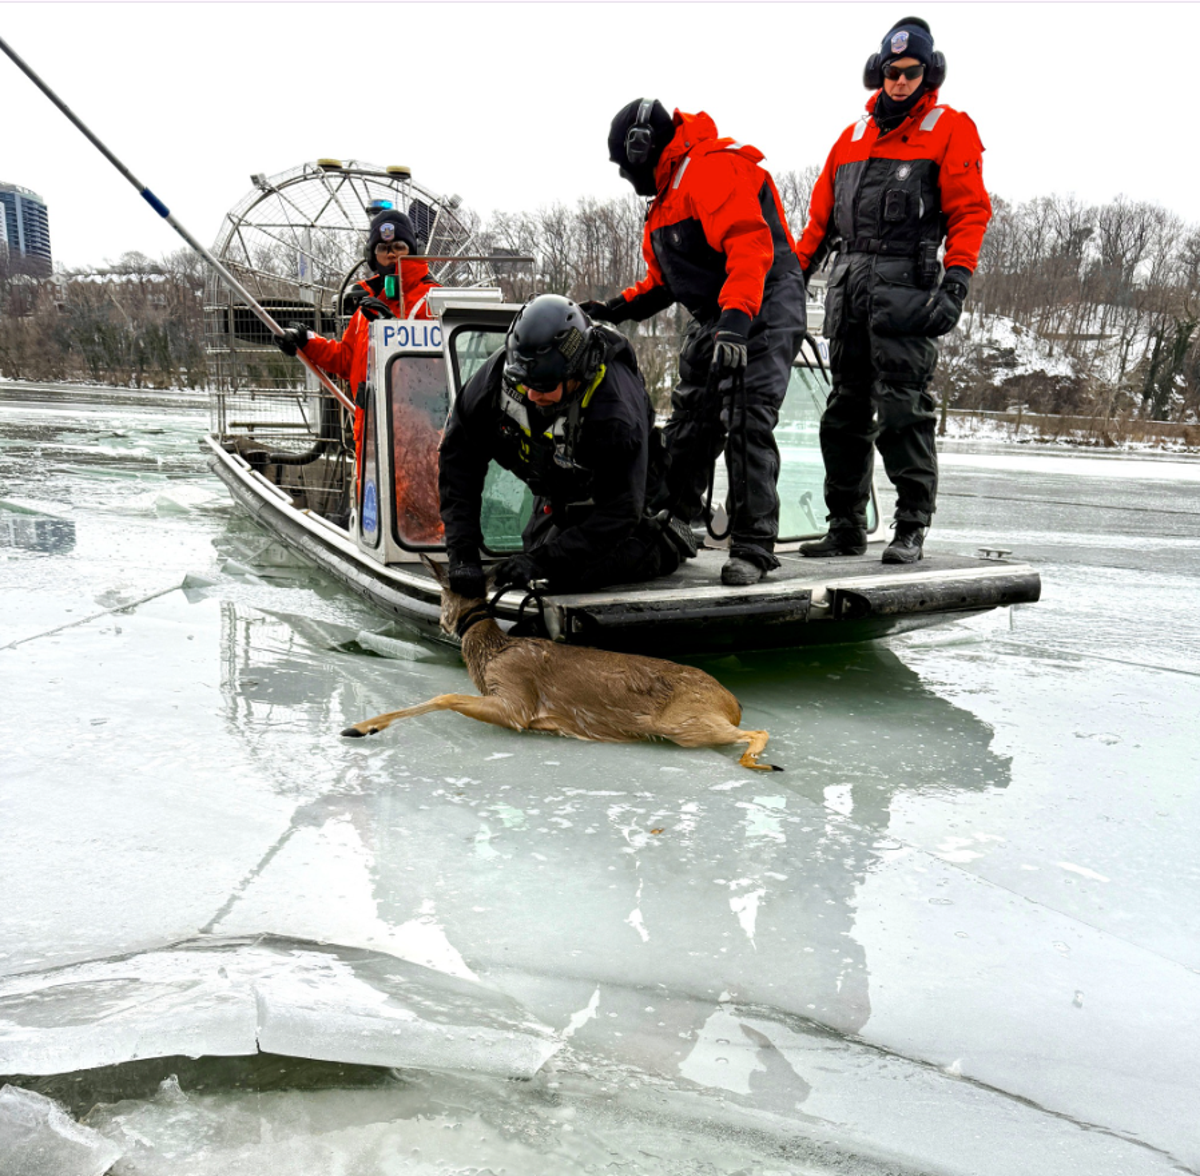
(843, 539)
(907, 546)
(738, 572)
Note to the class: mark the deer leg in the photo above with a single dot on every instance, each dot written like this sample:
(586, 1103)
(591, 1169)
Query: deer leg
(487, 708)
(709, 730)
(756, 741)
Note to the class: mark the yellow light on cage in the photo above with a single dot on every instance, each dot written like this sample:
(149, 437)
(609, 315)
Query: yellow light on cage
(330, 164)
(399, 171)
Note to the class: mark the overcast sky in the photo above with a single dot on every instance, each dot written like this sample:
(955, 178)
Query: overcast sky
(509, 104)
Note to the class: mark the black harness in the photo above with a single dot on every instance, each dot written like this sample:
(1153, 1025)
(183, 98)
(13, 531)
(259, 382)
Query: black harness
(472, 617)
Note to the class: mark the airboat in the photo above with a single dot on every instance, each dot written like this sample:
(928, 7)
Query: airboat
(282, 444)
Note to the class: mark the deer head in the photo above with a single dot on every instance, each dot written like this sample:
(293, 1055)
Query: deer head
(454, 607)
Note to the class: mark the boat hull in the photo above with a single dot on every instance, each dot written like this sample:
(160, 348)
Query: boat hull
(806, 602)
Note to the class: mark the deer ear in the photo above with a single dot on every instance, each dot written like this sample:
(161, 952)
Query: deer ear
(435, 570)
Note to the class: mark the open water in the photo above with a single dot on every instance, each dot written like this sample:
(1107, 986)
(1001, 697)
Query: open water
(960, 934)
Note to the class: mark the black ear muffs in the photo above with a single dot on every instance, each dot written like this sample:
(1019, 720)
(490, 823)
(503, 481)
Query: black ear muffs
(935, 71)
(639, 139)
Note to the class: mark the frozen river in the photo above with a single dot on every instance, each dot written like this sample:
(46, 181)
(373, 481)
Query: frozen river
(960, 934)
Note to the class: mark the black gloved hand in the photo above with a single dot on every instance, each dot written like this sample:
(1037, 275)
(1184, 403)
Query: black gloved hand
(375, 308)
(731, 350)
(516, 571)
(467, 580)
(948, 301)
(293, 339)
(615, 310)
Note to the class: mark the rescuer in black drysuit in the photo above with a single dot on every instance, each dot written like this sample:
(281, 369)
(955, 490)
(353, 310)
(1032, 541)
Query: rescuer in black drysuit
(563, 407)
(899, 181)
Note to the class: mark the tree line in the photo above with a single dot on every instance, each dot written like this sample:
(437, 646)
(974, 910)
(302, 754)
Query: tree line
(134, 323)
(1075, 308)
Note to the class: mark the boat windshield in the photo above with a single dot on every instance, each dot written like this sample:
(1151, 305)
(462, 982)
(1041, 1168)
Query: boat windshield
(507, 502)
(801, 469)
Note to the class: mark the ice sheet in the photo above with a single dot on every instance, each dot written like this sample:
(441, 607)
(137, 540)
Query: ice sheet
(958, 934)
(238, 996)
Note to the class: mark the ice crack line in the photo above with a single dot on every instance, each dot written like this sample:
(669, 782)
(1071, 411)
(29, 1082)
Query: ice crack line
(1105, 506)
(94, 617)
(1120, 661)
(264, 862)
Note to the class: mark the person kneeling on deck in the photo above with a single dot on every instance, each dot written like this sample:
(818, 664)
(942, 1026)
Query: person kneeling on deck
(562, 405)
(391, 238)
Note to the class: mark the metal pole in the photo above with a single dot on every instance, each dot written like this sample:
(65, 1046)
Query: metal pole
(165, 213)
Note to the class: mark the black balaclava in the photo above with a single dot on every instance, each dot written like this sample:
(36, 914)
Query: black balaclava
(662, 126)
(910, 37)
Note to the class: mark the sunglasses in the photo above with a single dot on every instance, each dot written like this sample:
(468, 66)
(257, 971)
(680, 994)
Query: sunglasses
(391, 246)
(910, 73)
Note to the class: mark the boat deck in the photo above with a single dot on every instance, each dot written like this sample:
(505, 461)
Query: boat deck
(692, 611)
(803, 602)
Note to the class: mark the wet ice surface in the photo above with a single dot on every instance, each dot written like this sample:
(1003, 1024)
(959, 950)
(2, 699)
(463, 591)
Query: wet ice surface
(37, 1138)
(959, 934)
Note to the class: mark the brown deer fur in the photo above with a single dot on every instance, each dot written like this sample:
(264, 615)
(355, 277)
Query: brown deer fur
(528, 683)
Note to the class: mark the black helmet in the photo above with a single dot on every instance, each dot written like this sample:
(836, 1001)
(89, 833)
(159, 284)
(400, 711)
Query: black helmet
(640, 132)
(550, 341)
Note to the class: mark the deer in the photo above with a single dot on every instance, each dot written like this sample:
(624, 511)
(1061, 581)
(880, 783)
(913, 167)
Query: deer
(533, 684)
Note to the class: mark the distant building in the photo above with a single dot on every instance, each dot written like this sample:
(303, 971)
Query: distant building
(26, 225)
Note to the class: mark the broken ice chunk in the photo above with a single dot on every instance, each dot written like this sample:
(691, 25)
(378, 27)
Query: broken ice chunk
(233, 996)
(38, 1138)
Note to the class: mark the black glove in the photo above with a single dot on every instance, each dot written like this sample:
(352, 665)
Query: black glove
(516, 571)
(293, 339)
(731, 348)
(467, 580)
(375, 308)
(948, 301)
(730, 353)
(615, 310)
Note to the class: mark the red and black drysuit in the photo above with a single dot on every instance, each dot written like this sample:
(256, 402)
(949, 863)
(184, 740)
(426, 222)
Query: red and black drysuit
(591, 462)
(717, 240)
(885, 202)
(347, 357)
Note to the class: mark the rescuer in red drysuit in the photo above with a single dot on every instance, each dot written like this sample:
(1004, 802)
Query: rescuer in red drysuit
(391, 239)
(716, 240)
(906, 175)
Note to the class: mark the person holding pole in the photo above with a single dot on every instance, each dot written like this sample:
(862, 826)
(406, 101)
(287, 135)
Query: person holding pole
(903, 178)
(391, 250)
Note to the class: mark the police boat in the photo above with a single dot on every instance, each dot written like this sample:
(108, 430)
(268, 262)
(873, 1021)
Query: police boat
(369, 531)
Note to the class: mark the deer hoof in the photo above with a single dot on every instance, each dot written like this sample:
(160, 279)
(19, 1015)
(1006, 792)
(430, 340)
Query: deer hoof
(352, 733)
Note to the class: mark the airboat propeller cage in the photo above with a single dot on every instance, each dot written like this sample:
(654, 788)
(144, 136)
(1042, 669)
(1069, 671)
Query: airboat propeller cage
(295, 242)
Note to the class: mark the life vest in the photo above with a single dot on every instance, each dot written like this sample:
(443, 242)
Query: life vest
(545, 453)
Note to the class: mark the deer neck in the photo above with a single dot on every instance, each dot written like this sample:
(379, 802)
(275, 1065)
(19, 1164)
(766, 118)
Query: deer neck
(481, 642)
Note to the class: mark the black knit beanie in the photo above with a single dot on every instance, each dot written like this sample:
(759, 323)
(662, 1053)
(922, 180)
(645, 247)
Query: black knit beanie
(387, 226)
(911, 37)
